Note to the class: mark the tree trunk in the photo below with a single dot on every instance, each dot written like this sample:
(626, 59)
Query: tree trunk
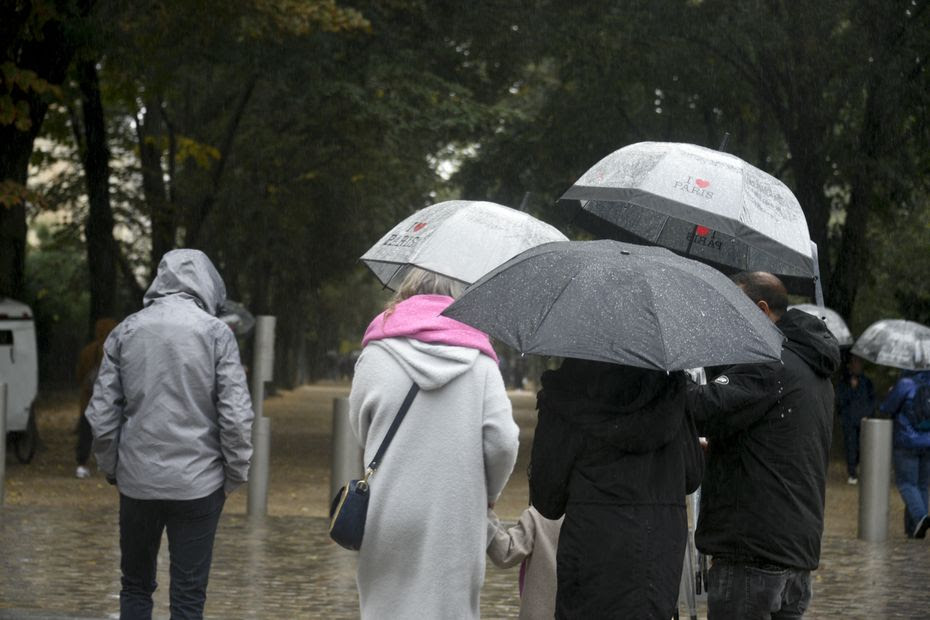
(201, 211)
(49, 57)
(15, 150)
(854, 251)
(150, 130)
(102, 261)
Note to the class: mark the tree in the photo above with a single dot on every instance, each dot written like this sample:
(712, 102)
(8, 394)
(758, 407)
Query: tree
(38, 44)
(831, 97)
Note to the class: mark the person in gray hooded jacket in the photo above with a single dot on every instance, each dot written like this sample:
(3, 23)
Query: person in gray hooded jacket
(172, 420)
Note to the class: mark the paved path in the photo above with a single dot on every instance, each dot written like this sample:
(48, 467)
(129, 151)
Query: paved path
(59, 554)
(64, 564)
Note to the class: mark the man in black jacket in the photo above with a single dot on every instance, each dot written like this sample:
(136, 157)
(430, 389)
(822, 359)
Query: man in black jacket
(769, 429)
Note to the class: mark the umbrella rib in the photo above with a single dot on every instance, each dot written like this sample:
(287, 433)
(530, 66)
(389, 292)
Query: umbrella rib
(668, 218)
(552, 304)
(652, 294)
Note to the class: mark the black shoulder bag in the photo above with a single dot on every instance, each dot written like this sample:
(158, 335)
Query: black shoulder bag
(349, 509)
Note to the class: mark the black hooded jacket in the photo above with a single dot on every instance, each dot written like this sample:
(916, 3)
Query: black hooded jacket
(769, 427)
(616, 452)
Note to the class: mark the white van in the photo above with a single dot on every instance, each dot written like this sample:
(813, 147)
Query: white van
(19, 369)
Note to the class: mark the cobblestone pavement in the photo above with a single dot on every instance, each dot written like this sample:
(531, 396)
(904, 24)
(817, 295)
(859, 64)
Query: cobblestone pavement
(59, 555)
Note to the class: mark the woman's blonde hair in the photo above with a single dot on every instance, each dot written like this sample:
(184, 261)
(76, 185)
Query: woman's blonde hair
(421, 282)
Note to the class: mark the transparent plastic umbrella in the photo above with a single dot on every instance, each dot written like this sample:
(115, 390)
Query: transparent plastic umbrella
(834, 321)
(237, 317)
(461, 239)
(896, 343)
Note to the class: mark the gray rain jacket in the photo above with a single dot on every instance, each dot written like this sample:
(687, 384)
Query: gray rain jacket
(171, 411)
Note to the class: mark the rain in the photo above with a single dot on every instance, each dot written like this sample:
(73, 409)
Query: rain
(667, 257)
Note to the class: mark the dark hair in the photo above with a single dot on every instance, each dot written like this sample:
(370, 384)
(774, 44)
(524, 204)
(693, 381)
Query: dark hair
(763, 286)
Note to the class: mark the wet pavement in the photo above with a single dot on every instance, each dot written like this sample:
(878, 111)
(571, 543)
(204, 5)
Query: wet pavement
(59, 555)
(64, 564)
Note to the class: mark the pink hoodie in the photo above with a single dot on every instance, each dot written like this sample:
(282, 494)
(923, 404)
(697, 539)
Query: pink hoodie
(419, 317)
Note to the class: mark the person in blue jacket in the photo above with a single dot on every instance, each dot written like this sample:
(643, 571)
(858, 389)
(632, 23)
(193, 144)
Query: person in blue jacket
(911, 448)
(855, 399)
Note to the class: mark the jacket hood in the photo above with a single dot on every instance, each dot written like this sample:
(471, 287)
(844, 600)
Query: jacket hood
(633, 409)
(191, 273)
(808, 337)
(430, 366)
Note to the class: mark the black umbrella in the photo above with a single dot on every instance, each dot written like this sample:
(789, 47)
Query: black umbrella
(617, 302)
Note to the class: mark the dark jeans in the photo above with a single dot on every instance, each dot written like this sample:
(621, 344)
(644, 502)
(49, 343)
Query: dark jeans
(744, 592)
(851, 444)
(912, 477)
(84, 441)
(191, 526)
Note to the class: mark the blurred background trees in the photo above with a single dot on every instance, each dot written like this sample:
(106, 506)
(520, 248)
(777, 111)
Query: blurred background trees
(283, 137)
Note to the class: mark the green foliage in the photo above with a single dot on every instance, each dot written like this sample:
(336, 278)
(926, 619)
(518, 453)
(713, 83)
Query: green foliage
(896, 285)
(284, 137)
(57, 291)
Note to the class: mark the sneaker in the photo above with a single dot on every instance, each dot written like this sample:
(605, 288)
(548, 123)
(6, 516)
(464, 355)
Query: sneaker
(82, 472)
(922, 526)
(852, 480)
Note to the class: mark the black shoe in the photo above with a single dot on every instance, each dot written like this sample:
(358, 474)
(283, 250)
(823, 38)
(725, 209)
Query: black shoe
(922, 526)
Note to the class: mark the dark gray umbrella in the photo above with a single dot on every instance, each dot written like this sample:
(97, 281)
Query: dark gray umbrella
(896, 343)
(700, 203)
(617, 302)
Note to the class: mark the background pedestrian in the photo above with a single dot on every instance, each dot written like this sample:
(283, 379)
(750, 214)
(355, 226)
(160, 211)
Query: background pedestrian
(855, 400)
(88, 365)
(172, 422)
(908, 404)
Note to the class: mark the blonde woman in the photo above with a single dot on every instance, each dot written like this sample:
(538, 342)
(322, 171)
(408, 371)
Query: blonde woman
(423, 555)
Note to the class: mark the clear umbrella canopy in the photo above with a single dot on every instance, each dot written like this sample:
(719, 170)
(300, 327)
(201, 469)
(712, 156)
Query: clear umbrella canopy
(834, 321)
(237, 316)
(622, 303)
(896, 343)
(700, 203)
(461, 239)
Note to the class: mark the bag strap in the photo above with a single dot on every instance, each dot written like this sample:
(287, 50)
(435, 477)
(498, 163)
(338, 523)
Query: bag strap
(375, 462)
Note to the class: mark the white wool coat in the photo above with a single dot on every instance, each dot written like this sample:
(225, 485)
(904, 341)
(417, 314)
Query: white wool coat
(423, 555)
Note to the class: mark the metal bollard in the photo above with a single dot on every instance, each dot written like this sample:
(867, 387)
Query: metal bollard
(874, 478)
(347, 454)
(3, 390)
(262, 367)
(258, 472)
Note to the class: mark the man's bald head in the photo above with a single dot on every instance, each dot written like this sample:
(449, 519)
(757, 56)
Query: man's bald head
(765, 290)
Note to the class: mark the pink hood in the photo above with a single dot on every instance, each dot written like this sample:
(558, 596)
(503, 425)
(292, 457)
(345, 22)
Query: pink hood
(419, 317)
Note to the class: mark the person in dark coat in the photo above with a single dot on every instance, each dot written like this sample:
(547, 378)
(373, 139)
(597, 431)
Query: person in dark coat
(616, 453)
(769, 430)
(855, 400)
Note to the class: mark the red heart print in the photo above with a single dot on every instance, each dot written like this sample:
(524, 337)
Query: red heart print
(701, 183)
(419, 226)
(701, 231)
